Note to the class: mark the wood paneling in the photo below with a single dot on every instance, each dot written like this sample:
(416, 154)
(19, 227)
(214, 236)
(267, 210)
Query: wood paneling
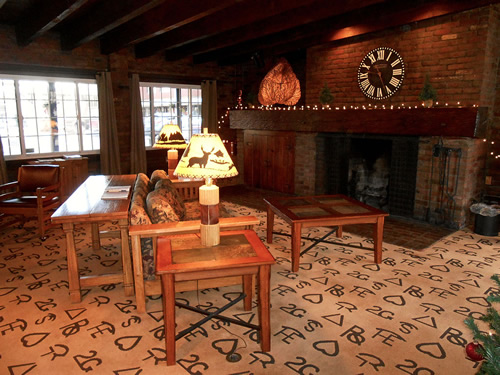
(270, 160)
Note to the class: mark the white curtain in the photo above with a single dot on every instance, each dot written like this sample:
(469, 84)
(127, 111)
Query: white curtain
(3, 167)
(138, 161)
(209, 105)
(110, 150)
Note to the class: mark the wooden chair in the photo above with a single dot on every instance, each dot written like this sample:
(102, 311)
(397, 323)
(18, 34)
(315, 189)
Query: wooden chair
(36, 193)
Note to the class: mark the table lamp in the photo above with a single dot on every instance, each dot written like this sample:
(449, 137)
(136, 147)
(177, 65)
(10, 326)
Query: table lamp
(206, 157)
(171, 138)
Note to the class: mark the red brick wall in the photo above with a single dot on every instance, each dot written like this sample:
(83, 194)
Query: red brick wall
(456, 51)
(305, 155)
(492, 161)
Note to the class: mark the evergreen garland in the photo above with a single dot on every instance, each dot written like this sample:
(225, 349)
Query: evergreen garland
(490, 341)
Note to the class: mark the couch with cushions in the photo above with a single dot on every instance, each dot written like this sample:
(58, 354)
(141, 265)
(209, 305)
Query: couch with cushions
(160, 207)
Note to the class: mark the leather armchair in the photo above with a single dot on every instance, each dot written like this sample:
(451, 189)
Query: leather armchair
(36, 193)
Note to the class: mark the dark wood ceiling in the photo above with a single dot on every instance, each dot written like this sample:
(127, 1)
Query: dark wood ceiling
(226, 31)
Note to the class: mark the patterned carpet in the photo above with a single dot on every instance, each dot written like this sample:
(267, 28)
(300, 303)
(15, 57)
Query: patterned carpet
(340, 314)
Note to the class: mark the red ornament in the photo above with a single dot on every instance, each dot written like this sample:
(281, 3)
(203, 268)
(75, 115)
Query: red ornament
(472, 353)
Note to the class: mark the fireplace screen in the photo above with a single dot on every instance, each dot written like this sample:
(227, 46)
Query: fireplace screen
(379, 171)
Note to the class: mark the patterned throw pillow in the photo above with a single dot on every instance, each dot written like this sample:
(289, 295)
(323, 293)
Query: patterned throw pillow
(159, 209)
(138, 214)
(172, 195)
(157, 175)
(142, 187)
(148, 259)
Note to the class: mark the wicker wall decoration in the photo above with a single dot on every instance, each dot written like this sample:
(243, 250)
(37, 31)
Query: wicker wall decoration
(280, 85)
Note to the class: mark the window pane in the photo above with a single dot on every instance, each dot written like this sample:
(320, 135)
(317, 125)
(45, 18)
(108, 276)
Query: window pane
(196, 95)
(32, 145)
(51, 113)
(177, 105)
(8, 118)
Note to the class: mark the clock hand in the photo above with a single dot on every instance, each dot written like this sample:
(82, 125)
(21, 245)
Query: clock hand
(379, 73)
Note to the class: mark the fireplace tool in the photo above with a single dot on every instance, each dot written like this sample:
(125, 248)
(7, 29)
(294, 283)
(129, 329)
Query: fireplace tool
(445, 205)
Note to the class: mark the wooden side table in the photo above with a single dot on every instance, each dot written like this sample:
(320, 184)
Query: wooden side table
(323, 210)
(240, 253)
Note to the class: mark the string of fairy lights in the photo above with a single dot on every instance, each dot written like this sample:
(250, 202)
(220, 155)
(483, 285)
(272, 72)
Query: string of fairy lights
(224, 118)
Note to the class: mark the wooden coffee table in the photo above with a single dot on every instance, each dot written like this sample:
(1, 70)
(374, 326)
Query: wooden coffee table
(240, 253)
(86, 206)
(323, 210)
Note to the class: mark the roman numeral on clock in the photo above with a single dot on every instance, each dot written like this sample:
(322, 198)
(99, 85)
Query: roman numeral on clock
(395, 62)
(394, 81)
(365, 84)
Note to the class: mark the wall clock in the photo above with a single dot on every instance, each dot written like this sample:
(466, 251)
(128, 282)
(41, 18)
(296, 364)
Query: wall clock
(381, 73)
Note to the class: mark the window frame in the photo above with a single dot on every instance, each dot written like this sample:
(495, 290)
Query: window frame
(177, 86)
(20, 118)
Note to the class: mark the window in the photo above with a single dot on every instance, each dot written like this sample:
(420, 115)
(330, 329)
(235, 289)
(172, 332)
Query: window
(48, 116)
(168, 103)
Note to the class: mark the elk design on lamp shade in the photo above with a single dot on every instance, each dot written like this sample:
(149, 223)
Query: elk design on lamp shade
(206, 157)
(201, 161)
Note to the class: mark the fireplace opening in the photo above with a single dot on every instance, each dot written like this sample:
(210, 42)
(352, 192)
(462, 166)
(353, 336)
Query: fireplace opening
(377, 170)
(369, 169)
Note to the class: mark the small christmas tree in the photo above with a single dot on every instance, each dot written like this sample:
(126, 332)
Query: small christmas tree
(489, 348)
(325, 96)
(428, 93)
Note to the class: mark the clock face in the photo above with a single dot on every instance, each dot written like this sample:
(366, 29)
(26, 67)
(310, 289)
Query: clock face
(381, 73)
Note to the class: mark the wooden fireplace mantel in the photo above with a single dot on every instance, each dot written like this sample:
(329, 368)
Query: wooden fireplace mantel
(446, 122)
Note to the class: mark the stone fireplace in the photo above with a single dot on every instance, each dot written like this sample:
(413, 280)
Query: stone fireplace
(433, 179)
(425, 164)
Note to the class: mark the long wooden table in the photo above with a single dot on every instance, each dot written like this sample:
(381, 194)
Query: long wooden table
(86, 206)
(323, 210)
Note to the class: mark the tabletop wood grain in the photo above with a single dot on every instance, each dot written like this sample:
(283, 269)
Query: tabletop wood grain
(86, 203)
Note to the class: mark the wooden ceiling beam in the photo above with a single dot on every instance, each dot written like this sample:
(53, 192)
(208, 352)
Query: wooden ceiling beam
(43, 17)
(390, 14)
(284, 21)
(230, 18)
(102, 18)
(168, 16)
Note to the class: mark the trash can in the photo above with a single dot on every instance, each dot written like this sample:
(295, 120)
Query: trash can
(487, 221)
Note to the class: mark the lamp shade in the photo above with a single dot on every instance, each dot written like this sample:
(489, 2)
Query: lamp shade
(170, 137)
(206, 157)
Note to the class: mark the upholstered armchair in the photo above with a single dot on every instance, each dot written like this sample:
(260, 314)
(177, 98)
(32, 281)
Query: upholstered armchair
(36, 193)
